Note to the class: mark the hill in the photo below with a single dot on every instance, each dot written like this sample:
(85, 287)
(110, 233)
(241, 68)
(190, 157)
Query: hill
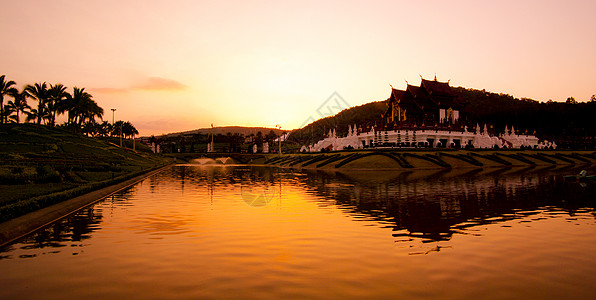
(40, 165)
(363, 114)
(569, 124)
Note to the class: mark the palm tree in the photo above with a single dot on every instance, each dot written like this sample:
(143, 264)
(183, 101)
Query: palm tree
(6, 114)
(81, 107)
(39, 91)
(90, 128)
(129, 130)
(118, 128)
(89, 111)
(19, 104)
(56, 96)
(105, 128)
(35, 115)
(5, 89)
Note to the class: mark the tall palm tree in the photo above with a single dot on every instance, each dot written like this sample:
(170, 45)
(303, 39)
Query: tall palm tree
(39, 91)
(74, 102)
(56, 96)
(5, 89)
(19, 104)
(90, 111)
(117, 128)
(128, 130)
(81, 107)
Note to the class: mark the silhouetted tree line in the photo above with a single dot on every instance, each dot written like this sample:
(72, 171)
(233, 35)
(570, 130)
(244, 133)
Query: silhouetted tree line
(570, 124)
(53, 100)
(364, 115)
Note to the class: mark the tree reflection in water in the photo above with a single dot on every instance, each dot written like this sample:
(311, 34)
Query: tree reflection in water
(77, 227)
(427, 205)
(434, 206)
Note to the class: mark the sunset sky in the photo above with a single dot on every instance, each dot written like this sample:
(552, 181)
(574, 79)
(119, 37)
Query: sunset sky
(170, 66)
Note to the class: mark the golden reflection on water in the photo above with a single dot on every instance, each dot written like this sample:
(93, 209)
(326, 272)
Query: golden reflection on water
(242, 232)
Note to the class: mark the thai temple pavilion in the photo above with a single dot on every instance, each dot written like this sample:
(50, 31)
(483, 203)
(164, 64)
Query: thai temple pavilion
(429, 115)
(433, 102)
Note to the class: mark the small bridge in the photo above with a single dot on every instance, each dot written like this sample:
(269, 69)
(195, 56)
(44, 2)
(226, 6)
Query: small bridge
(225, 158)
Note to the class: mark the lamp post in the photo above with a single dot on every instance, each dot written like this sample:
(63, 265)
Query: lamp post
(279, 139)
(212, 148)
(113, 110)
(121, 134)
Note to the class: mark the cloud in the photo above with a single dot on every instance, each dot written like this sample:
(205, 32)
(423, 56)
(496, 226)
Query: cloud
(158, 83)
(148, 84)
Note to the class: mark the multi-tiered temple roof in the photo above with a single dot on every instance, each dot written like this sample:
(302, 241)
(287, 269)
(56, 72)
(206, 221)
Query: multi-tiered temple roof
(431, 102)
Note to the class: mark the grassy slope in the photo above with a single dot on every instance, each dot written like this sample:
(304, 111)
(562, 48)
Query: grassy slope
(40, 166)
(414, 158)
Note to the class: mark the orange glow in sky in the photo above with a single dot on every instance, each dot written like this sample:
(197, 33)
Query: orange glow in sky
(170, 66)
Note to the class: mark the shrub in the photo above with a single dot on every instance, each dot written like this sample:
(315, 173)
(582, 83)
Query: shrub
(47, 173)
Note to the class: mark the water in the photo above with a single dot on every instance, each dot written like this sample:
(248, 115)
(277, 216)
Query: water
(241, 232)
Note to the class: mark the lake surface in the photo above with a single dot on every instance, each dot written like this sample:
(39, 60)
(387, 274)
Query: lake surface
(248, 232)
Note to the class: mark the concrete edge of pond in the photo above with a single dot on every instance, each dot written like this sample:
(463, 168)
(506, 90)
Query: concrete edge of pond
(16, 228)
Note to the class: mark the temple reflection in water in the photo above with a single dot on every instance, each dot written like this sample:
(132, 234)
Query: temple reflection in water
(206, 231)
(435, 206)
(430, 205)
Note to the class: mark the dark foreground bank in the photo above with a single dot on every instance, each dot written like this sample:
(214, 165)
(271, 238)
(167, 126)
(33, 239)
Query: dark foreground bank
(41, 166)
(20, 226)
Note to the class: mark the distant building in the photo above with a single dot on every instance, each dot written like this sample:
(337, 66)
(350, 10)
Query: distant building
(431, 103)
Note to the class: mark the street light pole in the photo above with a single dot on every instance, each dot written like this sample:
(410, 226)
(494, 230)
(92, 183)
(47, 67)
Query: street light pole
(212, 148)
(279, 139)
(113, 110)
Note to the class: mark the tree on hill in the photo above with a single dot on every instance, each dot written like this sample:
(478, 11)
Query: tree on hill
(90, 128)
(126, 129)
(55, 105)
(81, 107)
(104, 129)
(18, 104)
(6, 87)
(38, 91)
(54, 100)
(129, 130)
(364, 115)
(568, 123)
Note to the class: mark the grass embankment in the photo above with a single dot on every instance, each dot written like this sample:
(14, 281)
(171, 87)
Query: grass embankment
(394, 159)
(41, 166)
